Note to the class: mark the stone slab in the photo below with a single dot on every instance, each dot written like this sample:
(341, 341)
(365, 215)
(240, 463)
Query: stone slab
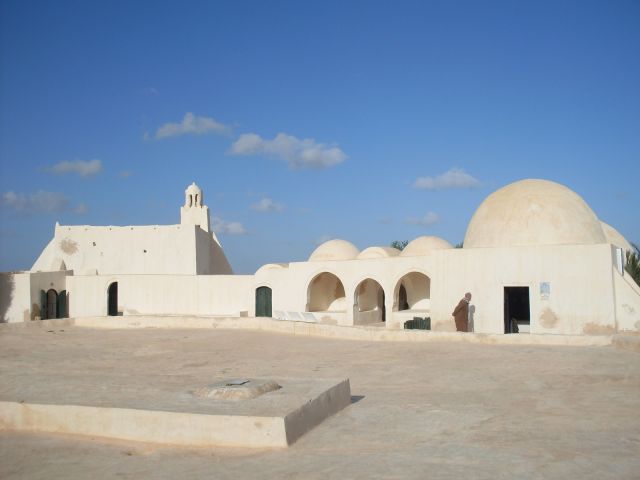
(275, 419)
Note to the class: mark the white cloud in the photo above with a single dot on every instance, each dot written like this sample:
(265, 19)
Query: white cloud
(84, 168)
(454, 178)
(298, 153)
(228, 228)
(267, 205)
(38, 202)
(429, 219)
(191, 124)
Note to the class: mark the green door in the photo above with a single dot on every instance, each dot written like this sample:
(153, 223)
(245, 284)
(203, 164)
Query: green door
(62, 304)
(263, 302)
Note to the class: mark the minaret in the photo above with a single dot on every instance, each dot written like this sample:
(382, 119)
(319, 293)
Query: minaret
(194, 211)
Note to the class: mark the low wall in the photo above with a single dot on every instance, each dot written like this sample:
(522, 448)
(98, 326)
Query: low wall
(371, 334)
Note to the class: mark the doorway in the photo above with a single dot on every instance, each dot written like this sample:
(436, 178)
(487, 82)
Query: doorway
(112, 300)
(52, 304)
(263, 302)
(369, 304)
(517, 314)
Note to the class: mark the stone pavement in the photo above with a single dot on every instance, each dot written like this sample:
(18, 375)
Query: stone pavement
(420, 410)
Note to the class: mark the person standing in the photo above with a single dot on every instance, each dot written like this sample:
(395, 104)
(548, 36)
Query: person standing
(461, 313)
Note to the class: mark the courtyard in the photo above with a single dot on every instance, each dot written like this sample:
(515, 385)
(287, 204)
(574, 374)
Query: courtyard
(419, 410)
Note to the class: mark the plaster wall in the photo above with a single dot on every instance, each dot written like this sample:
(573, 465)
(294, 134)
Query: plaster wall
(581, 291)
(228, 295)
(290, 285)
(20, 293)
(166, 249)
(15, 299)
(581, 298)
(627, 302)
(210, 259)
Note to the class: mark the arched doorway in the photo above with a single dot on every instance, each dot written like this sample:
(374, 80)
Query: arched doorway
(112, 300)
(325, 293)
(369, 303)
(413, 292)
(52, 304)
(263, 302)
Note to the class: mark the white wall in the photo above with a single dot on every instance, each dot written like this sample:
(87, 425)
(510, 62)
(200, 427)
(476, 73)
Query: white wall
(20, 293)
(166, 249)
(15, 298)
(627, 302)
(229, 295)
(581, 296)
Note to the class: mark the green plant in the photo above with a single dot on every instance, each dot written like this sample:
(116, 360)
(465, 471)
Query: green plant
(400, 244)
(633, 264)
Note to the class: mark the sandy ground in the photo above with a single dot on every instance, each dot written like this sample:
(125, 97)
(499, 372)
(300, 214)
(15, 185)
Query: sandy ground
(450, 410)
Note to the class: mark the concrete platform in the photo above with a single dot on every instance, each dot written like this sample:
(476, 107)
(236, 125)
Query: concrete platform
(177, 417)
(440, 410)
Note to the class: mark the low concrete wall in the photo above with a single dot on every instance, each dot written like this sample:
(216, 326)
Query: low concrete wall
(373, 334)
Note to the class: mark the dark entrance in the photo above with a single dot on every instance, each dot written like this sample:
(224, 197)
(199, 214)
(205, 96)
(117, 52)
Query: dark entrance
(403, 302)
(62, 305)
(263, 302)
(516, 308)
(52, 305)
(112, 300)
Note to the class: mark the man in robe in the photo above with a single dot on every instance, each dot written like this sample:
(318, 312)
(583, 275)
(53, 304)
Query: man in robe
(461, 313)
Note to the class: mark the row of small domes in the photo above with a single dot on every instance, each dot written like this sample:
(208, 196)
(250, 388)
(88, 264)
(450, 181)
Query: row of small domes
(343, 250)
(523, 213)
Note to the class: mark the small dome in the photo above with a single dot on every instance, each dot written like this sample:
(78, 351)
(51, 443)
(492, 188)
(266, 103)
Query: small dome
(334, 250)
(193, 196)
(423, 245)
(272, 266)
(614, 237)
(193, 188)
(533, 212)
(378, 252)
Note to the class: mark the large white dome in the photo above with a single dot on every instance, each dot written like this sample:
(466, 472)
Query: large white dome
(615, 237)
(533, 212)
(334, 250)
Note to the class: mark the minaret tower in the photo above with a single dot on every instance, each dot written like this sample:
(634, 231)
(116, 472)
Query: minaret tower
(194, 212)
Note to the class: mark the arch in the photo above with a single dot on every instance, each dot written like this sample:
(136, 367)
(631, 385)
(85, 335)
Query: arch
(112, 299)
(368, 304)
(412, 292)
(325, 293)
(52, 304)
(263, 302)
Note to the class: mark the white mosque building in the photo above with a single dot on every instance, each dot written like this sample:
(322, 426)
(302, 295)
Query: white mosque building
(535, 255)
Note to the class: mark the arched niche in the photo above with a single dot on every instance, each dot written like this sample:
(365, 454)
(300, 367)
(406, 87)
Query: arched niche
(413, 293)
(325, 293)
(368, 303)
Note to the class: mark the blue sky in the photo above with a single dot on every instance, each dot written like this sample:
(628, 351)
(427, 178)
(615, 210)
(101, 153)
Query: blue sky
(303, 121)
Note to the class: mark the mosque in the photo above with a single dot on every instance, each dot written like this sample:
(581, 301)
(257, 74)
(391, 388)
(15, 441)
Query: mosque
(536, 258)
